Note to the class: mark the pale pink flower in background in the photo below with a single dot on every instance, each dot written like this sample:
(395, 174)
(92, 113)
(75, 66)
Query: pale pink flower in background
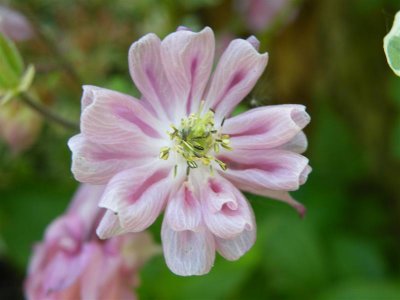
(223, 40)
(14, 25)
(178, 149)
(260, 15)
(19, 126)
(72, 263)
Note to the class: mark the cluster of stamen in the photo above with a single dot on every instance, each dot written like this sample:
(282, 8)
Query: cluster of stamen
(194, 139)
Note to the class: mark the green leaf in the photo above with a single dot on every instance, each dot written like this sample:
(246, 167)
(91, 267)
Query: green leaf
(11, 64)
(4, 98)
(391, 45)
(27, 79)
(10, 52)
(12, 81)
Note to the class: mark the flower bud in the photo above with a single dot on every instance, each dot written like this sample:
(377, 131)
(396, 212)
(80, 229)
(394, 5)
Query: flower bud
(14, 25)
(19, 126)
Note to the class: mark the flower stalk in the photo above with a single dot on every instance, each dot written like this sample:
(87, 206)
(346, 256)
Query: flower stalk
(47, 113)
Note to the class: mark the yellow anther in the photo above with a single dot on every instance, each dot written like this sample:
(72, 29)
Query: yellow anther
(221, 164)
(192, 164)
(216, 148)
(227, 147)
(195, 139)
(164, 153)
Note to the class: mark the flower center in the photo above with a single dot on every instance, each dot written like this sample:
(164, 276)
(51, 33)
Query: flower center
(196, 141)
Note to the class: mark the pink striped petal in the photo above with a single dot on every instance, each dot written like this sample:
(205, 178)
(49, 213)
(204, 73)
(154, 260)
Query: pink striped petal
(149, 76)
(88, 95)
(237, 72)
(66, 232)
(64, 269)
(266, 127)
(254, 42)
(234, 214)
(298, 144)
(98, 163)
(188, 58)
(105, 278)
(84, 203)
(269, 169)
(91, 279)
(114, 118)
(137, 195)
(183, 210)
(110, 226)
(233, 249)
(187, 252)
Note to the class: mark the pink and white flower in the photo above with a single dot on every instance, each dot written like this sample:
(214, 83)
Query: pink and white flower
(72, 263)
(177, 149)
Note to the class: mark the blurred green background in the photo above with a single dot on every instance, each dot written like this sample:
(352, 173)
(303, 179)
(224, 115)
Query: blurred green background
(326, 54)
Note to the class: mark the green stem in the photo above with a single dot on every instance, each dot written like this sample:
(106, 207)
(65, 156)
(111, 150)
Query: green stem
(48, 114)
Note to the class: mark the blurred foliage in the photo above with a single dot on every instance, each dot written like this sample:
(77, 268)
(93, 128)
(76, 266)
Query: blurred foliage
(328, 57)
(12, 79)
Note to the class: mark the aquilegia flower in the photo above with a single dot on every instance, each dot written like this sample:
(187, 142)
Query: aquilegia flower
(178, 149)
(72, 263)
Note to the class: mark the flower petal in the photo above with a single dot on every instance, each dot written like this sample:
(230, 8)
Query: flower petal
(237, 72)
(188, 58)
(298, 144)
(137, 195)
(64, 269)
(287, 198)
(98, 163)
(183, 210)
(266, 127)
(88, 95)
(272, 169)
(283, 196)
(114, 118)
(187, 252)
(84, 205)
(234, 214)
(147, 72)
(109, 226)
(66, 232)
(95, 272)
(233, 249)
(116, 288)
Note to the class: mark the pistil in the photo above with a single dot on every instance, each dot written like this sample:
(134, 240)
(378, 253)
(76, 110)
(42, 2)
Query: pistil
(195, 140)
